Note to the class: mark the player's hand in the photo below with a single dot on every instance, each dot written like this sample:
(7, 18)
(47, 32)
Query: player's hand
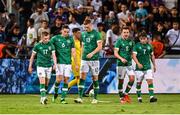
(77, 68)
(154, 68)
(30, 70)
(140, 66)
(124, 60)
(90, 55)
(54, 67)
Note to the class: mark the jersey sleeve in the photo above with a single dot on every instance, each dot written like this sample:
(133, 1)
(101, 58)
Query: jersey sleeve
(73, 44)
(35, 49)
(53, 40)
(98, 36)
(135, 49)
(117, 44)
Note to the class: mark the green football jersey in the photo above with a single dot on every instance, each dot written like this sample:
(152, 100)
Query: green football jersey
(63, 46)
(125, 51)
(44, 54)
(89, 40)
(144, 52)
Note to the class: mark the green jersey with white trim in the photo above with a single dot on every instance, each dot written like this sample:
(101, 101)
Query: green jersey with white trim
(90, 40)
(63, 47)
(44, 54)
(125, 47)
(144, 52)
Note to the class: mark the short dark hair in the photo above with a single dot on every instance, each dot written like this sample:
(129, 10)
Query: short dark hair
(31, 21)
(75, 30)
(142, 34)
(44, 33)
(125, 28)
(87, 21)
(65, 26)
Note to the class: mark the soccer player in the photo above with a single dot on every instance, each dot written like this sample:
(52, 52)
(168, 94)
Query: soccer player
(142, 54)
(123, 53)
(91, 45)
(64, 46)
(76, 68)
(45, 51)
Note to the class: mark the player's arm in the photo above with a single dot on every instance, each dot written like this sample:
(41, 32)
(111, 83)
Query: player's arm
(98, 48)
(116, 50)
(153, 61)
(31, 61)
(140, 66)
(54, 59)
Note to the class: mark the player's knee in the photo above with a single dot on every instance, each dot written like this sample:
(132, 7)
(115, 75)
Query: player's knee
(66, 80)
(131, 79)
(149, 81)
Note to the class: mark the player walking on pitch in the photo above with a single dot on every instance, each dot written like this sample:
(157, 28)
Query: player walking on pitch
(45, 51)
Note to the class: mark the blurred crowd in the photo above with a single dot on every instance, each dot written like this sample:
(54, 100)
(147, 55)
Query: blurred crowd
(22, 28)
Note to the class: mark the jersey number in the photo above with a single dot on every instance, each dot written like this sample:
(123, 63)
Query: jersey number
(88, 40)
(45, 52)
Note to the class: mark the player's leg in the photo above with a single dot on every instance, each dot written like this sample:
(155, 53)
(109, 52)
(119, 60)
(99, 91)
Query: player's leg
(121, 71)
(131, 75)
(83, 72)
(149, 79)
(139, 77)
(47, 78)
(94, 67)
(67, 75)
(41, 76)
(59, 76)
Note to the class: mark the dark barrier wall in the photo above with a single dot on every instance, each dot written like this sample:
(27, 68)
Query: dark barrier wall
(14, 77)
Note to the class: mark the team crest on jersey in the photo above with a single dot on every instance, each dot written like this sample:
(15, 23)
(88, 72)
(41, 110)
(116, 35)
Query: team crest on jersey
(148, 47)
(63, 45)
(68, 41)
(40, 48)
(130, 43)
(49, 47)
(92, 36)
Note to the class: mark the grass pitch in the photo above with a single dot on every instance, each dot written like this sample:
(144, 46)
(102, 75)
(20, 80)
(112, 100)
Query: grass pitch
(109, 104)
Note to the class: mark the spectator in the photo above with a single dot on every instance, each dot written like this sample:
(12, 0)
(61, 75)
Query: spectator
(61, 12)
(109, 20)
(111, 37)
(31, 33)
(73, 24)
(44, 27)
(5, 52)
(174, 16)
(24, 8)
(100, 27)
(160, 31)
(56, 28)
(4, 19)
(2, 34)
(173, 36)
(12, 21)
(38, 16)
(96, 4)
(141, 16)
(13, 38)
(158, 46)
(95, 20)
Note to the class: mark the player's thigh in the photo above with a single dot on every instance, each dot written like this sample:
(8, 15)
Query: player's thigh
(94, 68)
(121, 72)
(48, 72)
(41, 74)
(60, 69)
(84, 67)
(139, 75)
(67, 71)
(149, 74)
(130, 71)
(41, 71)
